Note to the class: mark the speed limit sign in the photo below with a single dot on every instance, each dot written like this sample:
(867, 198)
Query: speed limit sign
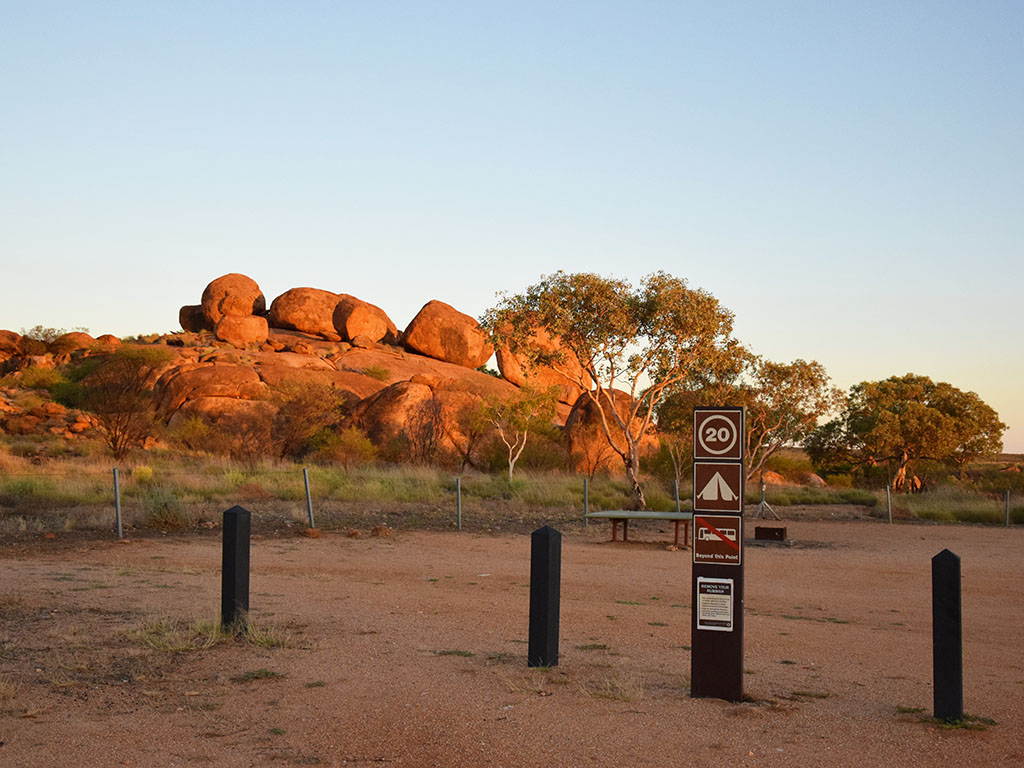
(718, 434)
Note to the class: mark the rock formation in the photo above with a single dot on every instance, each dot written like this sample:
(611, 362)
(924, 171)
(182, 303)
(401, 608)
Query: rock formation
(442, 332)
(354, 318)
(231, 294)
(310, 310)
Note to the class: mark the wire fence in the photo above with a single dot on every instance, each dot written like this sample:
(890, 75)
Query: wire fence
(408, 496)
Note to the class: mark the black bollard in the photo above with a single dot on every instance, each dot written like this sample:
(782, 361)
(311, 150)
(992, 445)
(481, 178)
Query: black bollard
(234, 601)
(947, 637)
(545, 595)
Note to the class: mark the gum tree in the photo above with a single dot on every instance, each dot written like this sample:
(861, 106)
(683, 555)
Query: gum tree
(641, 341)
(904, 419)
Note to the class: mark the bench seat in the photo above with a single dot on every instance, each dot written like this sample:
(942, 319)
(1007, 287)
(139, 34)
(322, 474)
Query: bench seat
(623, 516)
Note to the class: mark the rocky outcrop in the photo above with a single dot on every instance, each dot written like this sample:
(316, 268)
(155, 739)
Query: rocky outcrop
(424, 410)
(241, 331)
(588, 443)
(220, 411)
(309, 310)
(515, 370)
(231, 294)
(73, 341)
(442, 332)
(191, 381)
(354, 318)
(768, 477)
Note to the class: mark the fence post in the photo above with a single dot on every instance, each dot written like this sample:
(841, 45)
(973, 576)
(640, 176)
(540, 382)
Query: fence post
(458, 502)
(675, 490)
(1007, 507)
(234, 592)
(117, 503)
(947, 638)
(888, 501)
(586, 500)
(545, 595)
(309, 499)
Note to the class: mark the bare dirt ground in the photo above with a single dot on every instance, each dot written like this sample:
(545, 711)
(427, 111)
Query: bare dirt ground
(411, 651)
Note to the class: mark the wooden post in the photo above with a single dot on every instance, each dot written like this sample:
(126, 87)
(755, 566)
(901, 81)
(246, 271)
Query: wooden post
(545, 595)
(947, 637)
(234, 593)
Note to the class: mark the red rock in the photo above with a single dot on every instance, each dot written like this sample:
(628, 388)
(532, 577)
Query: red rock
(215, 410)
(513, 369)
(192, 319)
(311, 533)
(442, 332)
(588, 443)
(108, 340)
(190, 381)
(354, 318)
(240, 331)
(231, 294)
(309, 310)
(773, 478)
(10, 342)
(69, 342)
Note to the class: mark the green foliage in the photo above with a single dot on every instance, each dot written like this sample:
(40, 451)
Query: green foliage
(643, 340)
(347, 447)
(906, 419)
(163, 509)
(513, 418)
(118, 393)
(377, 372)
(304, 409)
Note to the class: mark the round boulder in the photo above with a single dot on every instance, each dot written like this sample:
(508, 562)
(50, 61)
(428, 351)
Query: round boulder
(192, 319)
(241, 331)
(588, 443)
(231, 294)
(354, 317)
(309, 310)
(442, 332)
(517, 371)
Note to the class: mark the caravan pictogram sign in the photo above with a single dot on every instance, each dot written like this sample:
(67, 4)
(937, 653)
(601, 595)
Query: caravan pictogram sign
(718, 487)
(718, 539)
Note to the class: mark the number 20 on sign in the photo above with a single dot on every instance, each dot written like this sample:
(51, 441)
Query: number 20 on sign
(718, 434)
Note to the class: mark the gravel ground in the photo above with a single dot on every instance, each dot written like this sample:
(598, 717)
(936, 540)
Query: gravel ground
(410, 650)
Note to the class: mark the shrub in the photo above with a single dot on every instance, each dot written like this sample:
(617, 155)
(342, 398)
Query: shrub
(162, 509)
(377, 372)
(347, 447)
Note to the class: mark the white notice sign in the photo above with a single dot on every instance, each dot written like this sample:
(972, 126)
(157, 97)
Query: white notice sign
(714, 604)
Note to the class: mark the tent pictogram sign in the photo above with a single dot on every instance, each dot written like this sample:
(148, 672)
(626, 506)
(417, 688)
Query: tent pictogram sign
(718, 487)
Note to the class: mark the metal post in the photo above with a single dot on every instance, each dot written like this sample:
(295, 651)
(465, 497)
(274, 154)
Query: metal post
(675, 491)
(458, 501)
(234, 593)
(1007, 507)
(586, 500)
(545, 595)
(309, 499)
(117, 503)
(947, 638)
(888, 501)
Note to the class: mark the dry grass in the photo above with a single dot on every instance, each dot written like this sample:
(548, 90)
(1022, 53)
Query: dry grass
(176, 636)
(8, 689)
(618, 687)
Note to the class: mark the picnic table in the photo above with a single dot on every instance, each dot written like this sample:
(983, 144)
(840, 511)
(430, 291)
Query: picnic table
(625, 515)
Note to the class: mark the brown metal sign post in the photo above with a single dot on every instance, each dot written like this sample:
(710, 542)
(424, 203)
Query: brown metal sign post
(716, 659)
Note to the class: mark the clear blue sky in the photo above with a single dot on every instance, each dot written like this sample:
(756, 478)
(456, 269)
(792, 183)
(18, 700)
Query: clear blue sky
(848, 178)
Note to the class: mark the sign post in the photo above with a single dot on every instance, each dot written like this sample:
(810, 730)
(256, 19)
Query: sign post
(716, 660)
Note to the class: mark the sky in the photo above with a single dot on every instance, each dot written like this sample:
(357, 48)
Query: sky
(847, 178)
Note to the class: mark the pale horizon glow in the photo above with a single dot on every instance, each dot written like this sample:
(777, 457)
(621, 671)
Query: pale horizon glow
(845, 179)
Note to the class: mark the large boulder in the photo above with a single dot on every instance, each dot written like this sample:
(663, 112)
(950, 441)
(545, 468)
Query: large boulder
(588, 443)
(231, 294)
(309, 310)
(70, 342)
(240, 331)
(191, 381)
(516, 370)
(354, 318)
(424, 410)
(442, 332)
(225, 411)
(192, 319)
(10, 342)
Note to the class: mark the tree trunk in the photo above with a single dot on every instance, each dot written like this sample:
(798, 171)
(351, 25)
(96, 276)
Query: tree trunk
(632, 462)
(900, 478)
